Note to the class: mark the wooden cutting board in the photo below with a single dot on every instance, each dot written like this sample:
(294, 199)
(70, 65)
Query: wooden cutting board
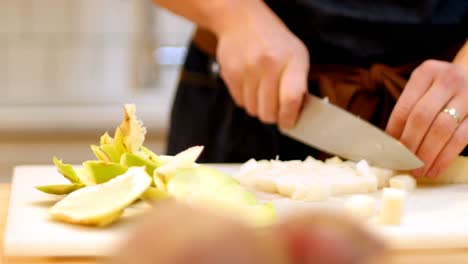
(435, 218)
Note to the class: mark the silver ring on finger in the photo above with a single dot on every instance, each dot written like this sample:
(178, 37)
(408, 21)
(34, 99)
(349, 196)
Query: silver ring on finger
(453, 113)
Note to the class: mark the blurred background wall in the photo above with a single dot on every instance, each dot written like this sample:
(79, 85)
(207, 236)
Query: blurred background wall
(68, 66)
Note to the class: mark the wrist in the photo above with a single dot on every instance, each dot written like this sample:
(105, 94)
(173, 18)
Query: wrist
(228, 14)
(462, 56)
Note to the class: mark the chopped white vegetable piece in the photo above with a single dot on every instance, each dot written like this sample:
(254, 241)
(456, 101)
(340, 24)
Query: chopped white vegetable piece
(310, 179)
(392, 206)
(383, 176)
(311, 193)
(364, 169)
(334, 160)
(361, 206)
(266, 184)
(285, 187)
(403, 182)
(248, 166)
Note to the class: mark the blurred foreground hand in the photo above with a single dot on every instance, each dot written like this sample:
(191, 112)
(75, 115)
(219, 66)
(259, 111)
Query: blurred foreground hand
(174, 234)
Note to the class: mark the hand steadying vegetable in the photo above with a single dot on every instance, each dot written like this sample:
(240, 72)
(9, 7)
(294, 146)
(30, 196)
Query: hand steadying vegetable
(429, 117)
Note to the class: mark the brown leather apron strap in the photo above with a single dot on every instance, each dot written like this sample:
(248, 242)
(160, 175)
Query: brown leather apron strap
(206, 41)
(363, 92)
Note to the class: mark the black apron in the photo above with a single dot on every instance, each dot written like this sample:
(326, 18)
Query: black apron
(339, 33)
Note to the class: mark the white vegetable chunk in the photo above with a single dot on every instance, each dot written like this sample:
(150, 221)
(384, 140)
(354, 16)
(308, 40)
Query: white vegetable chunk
(363, 168)
(311, 193)
(383, 176)
(309, 180)
(285, 186)
(265, 184)
(334, 160)
(392, 207)
(403, 182)
(361, 206)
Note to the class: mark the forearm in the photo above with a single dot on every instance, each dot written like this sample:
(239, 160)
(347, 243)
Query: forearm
(462, 56)
(214, 15)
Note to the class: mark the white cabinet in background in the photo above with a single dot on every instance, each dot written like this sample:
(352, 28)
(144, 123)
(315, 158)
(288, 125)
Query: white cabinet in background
(71, 64)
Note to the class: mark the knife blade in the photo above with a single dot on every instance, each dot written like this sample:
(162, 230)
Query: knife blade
(335, 131)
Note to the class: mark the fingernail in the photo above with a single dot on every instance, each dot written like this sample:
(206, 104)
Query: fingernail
(432, 173)
(418, 172)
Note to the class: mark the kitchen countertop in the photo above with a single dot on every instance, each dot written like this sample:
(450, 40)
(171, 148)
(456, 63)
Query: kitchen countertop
(395, 257)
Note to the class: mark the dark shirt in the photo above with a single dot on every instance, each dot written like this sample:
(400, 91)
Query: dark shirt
(360, 32)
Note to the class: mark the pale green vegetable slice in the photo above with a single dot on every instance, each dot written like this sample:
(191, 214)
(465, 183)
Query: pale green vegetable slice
(135, 160)
(205, 183)
(130, 133)
(67, 171)
(102, 204)
(106, 139)
(107, 152)
(112, 151)
(153, 194)
(183, 160)
(151, 155)
(209, 187)
(85, 178)
(165, 158)
(100, 154)
(102, 171)
(60, 189)
(159, 183)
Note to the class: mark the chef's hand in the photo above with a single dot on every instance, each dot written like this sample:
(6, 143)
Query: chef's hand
(173, 233)
(264, 65)
(419, 121)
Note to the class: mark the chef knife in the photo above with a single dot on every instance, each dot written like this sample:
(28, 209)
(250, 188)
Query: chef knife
(335, 131)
